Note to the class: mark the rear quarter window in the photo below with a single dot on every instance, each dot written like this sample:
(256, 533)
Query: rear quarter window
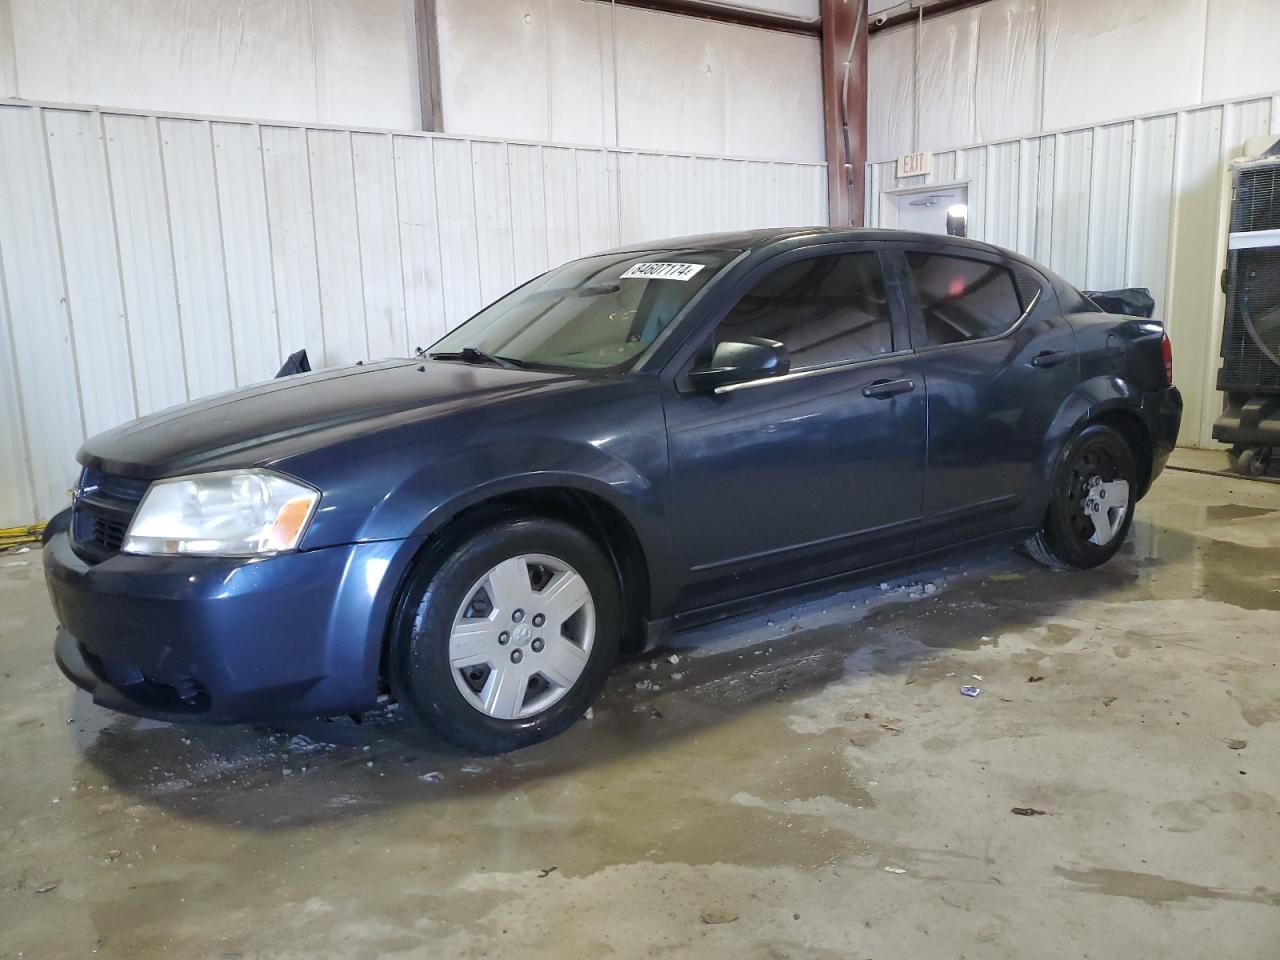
(963, 299)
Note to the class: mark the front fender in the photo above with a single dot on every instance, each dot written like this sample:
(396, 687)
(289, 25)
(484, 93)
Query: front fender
(1088, 401)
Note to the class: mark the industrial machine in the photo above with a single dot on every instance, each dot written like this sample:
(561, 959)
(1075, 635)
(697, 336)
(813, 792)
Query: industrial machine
(1250, 372)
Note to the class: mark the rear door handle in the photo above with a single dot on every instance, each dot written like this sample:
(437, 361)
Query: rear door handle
(884, 389)
(1050, 358)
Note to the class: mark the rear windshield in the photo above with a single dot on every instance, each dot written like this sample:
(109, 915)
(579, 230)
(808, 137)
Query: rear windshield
(597, 314)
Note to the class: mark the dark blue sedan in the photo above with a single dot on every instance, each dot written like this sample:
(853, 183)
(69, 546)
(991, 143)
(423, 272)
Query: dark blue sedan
(664, 432)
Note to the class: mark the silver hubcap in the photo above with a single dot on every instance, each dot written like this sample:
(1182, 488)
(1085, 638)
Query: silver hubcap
(1106, 503)
(522, 637)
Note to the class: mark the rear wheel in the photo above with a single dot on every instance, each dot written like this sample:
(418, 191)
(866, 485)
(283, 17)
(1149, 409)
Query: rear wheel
(1091, 506)
(509, 639)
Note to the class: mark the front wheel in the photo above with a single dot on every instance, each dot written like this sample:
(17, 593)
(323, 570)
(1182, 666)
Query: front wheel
(509, 639)
(1091, 505)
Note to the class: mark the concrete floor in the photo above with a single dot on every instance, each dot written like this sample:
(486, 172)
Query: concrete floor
(806, 782)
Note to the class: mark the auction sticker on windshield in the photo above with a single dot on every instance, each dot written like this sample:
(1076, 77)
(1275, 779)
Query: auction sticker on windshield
(662, 271)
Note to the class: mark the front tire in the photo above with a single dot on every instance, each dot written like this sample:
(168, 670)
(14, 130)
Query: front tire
(1091, 504)
(508, 639)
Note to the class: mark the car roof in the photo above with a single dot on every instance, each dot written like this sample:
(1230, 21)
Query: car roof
(764, 238)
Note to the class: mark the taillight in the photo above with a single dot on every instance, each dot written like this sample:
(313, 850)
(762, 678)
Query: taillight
(1166, 352)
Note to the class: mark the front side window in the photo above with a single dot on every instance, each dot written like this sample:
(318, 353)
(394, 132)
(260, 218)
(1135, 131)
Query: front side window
(823, 310)
(962, 299)
(597, 314)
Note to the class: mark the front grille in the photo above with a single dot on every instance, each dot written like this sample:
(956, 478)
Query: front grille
(104, 507)
(1256, 204)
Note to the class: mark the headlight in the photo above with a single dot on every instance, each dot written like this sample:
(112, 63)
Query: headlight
(231, 513)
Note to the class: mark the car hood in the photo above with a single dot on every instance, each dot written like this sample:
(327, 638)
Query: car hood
(259, 423)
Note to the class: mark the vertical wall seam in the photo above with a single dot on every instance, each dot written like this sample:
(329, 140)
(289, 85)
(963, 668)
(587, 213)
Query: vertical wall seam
(315, 243)
(355, 199)
(400, 261)
(173, 258)
(115, 236)
(222, 254)
(271, 244)
(435, 203)
(28, 458)
(67, 312)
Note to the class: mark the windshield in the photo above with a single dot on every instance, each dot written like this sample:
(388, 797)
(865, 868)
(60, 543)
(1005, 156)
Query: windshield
(596, 314)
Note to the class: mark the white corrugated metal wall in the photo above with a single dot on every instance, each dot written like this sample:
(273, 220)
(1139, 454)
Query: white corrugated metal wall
(149, 259)
(1135, 202)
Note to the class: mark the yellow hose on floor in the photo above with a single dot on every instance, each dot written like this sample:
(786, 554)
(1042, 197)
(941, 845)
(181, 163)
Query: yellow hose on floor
(17, 536)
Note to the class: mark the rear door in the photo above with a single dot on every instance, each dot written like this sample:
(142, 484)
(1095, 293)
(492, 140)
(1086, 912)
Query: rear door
(998, 361)
(780, 481)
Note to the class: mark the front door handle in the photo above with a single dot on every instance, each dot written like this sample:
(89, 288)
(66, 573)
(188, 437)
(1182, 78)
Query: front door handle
(884, 389)
(1050, 358)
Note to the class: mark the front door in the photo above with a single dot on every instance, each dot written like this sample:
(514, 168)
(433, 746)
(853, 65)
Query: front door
(788, 479)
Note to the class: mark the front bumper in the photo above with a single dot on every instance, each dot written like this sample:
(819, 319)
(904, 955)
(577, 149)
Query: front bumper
(224, 640)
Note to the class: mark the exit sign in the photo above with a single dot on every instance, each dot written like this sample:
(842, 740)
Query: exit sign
(915, 165)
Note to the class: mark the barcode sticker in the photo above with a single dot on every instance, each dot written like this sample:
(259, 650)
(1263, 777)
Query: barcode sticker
(662, 271)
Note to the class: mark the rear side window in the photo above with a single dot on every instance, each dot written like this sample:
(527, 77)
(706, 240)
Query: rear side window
(963, 299)
(823, 310)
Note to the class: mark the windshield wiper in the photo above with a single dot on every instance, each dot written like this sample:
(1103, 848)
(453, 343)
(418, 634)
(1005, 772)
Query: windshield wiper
(472, 355)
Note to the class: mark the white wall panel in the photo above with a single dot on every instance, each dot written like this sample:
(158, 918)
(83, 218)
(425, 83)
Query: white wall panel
(149, 260)
(195, 227)
(329, 61)
(333, 194)
(246, 250)
(1133, 203)
(291, 229)
(419, 240)
(580, 72)
(1022, 68)
(36, 304)
(378, 219)
(947, 59)
(82, 198)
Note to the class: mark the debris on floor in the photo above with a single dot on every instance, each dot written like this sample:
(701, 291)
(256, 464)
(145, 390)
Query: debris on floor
(1108, 701)
(1027, 811)
(894, 870)
(715, 916)
(890, 727)
(1237, 744)
(546, 872)
(970, 691)
(1034, 679)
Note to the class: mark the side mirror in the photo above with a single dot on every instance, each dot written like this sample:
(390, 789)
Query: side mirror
(739, 361)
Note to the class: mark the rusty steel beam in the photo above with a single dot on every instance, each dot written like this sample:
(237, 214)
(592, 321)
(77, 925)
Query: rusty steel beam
(741, 16)
(844, 107)
(923, 13)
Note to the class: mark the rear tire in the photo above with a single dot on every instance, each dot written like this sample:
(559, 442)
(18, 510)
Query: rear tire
(508, 639)
(1091, 503)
